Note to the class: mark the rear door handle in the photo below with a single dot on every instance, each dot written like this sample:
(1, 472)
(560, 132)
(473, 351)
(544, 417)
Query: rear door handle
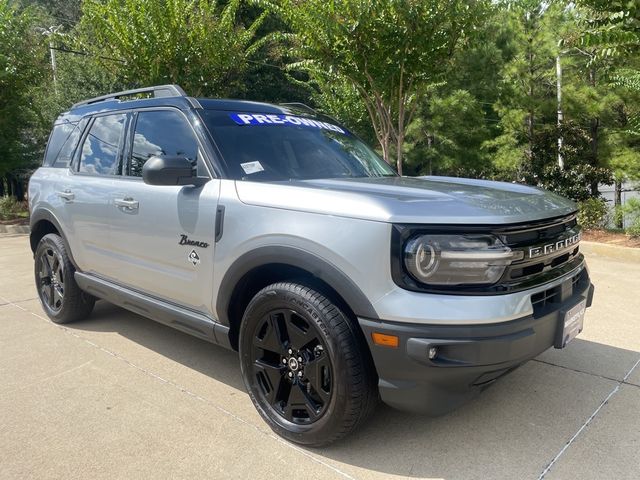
(67, 195)
(127, 203)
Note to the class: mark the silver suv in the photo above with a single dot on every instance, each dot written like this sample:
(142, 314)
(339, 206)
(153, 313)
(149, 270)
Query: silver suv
(276, 232)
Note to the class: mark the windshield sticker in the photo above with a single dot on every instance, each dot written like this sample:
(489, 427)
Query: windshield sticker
(252, 167)
(273, 119)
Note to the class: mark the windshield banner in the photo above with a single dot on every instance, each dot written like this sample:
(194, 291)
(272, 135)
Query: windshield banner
(278, 119)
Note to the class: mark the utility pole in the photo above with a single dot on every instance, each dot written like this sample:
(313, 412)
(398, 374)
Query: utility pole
(52, 52)
(560, 113)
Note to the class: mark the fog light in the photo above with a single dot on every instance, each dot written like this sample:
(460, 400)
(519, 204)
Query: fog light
(433, 352)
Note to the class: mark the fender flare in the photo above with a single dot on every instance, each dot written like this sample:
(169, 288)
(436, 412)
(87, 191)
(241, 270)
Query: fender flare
(293, 257)
(44, 214)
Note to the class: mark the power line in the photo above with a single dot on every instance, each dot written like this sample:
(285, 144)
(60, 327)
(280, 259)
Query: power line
(87, 54)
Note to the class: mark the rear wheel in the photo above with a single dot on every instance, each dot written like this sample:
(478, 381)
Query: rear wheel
(304, 365)
(61, 297)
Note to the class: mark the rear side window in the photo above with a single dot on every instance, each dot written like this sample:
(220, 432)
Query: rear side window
(101, 149)
(58, 138)
(161, 132)
(66, 152)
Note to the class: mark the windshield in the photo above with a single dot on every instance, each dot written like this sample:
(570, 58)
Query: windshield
(268, 147)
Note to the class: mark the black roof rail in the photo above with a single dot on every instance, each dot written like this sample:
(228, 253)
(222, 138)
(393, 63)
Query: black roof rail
(158, 92)
(301, 106)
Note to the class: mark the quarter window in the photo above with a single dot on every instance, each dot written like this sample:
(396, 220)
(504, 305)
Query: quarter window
(100, 152)
(161, 132)
(59, 136)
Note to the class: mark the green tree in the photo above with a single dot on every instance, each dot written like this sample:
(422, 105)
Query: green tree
(390, 51)
(196, 43)
(447, 136)
(22, 66)
(612, 30)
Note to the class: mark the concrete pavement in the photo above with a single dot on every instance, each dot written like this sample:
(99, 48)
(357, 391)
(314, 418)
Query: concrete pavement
(120, 396)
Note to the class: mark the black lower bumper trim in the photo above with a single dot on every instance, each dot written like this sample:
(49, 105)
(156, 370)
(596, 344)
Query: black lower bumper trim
(469, 357)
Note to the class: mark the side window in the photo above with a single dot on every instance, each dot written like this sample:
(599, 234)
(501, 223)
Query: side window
(101, 149)
(59, 136)
(161, 132)
(66, 152)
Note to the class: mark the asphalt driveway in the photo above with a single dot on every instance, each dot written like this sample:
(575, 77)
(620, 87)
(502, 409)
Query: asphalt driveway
(120, 396)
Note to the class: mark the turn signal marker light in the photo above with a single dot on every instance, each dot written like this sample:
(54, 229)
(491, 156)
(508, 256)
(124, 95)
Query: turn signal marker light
(385, 340)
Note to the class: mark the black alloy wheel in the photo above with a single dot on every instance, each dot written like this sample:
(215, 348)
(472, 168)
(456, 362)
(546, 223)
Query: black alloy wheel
(305, 364)
(290, 364)
(61, 297)
(50, 278)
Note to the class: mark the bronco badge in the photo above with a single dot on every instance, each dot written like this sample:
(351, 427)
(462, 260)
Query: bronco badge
(184, 240)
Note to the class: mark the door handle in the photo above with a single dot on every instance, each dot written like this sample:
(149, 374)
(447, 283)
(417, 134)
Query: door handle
(127, 203)
(67, 195)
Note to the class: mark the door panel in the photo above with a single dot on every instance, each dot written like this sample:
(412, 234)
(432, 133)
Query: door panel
(148, 251)
(89, 215)
(162, 237)
(85, 194)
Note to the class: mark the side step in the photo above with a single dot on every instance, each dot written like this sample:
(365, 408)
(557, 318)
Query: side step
(193, 323)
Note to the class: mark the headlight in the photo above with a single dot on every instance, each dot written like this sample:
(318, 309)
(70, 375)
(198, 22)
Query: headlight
(472, 259)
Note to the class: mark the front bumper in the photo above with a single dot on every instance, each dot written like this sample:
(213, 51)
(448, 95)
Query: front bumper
(470, 357)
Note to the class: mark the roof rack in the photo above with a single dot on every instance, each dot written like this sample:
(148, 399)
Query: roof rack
(299, 105)
(158, 92)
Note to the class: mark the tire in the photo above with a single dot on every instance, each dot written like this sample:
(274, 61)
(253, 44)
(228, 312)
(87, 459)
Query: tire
(305, 365)
(60, 296)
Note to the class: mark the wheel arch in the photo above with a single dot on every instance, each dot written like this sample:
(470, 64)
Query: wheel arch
(43, 222)
(266, 265)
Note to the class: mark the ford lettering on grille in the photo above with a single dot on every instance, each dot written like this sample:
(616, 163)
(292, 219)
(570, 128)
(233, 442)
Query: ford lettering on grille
(542, 250)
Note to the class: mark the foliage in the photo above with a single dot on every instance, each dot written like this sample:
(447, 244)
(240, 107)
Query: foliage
(10, 208)
(448, 88)
(613, 29)
(390, 50)
(195, 43)
(630, 211)
(447, 136)
(592, 213)
(22, 65)
(572, 181)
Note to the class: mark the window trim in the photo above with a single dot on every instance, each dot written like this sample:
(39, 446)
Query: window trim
(128, 149)
(74, 165)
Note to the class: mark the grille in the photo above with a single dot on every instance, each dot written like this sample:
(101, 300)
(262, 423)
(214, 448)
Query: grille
(544, 301)
(547, 251)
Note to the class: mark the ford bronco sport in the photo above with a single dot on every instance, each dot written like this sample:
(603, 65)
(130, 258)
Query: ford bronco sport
(276, 232)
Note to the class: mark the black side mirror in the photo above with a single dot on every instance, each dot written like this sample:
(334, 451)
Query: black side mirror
(166, 170)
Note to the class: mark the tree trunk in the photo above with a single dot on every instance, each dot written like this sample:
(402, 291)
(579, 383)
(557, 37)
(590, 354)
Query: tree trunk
(429, 145)
(1, 187)
(19, 191)
(560, 117)
(530, 114)
(617, 202)
(594, 130)
(399, 145)
(10, 185)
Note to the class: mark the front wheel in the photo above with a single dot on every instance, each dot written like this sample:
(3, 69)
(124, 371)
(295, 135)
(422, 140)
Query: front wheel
(305, 366)
(61, 297)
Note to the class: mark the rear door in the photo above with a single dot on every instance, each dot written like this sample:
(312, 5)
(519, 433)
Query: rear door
(86, 191)
(162, 237)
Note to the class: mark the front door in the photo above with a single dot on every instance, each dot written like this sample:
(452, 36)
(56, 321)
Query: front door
(162, 237)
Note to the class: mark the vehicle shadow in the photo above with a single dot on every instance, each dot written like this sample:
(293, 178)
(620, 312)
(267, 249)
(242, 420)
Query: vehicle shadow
(512, 430)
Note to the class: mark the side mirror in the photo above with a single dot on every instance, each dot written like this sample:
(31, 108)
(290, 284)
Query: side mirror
(166, 170)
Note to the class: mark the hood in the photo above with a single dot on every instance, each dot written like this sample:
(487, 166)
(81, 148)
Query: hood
(424, 200)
